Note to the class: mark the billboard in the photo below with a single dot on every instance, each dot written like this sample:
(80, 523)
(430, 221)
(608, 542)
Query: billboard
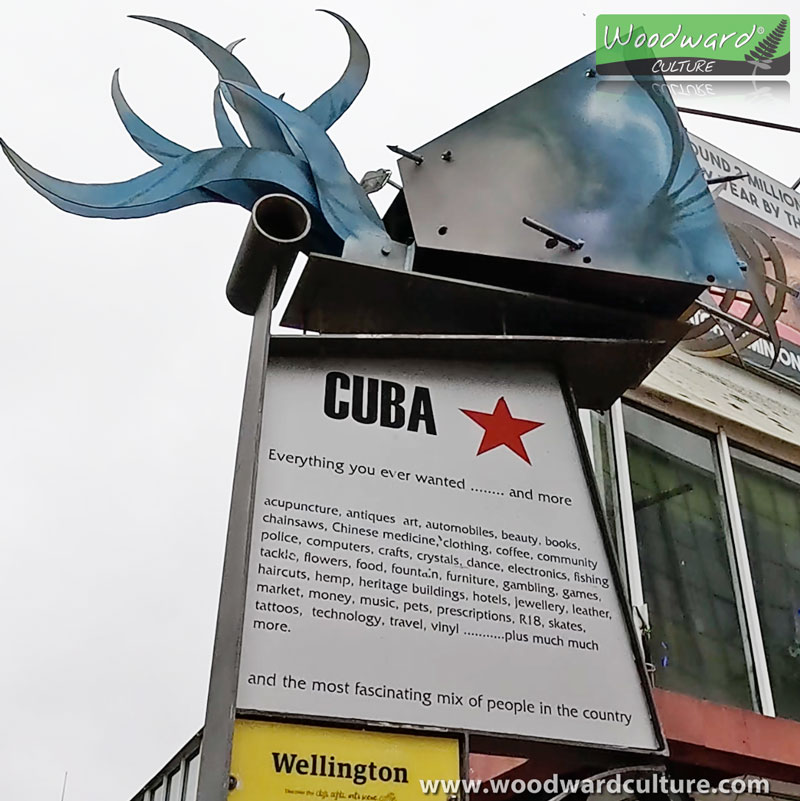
(425, 551)
(279, 760)
(769, 214)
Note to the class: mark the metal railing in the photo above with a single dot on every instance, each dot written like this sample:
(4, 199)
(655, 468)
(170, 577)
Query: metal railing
(177, 780)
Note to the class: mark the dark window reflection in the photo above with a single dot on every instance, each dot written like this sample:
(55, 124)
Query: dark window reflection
(769, 499)
(696, 644)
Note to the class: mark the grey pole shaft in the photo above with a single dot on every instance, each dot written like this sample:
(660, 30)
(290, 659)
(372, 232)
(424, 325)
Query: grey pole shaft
(221, 705)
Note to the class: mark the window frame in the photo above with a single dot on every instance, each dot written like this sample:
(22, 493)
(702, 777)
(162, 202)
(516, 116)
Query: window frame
(744, 591)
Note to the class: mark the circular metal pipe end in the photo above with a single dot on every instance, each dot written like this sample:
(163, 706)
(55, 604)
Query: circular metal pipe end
(278, 226)
(281, 218)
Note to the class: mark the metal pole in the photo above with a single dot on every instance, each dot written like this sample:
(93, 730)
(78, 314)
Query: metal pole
(745, 577)
(64, 786)
(220, 709)
(273, 257)
(733, 118)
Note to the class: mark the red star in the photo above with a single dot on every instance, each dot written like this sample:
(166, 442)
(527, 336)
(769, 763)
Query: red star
(500, 428)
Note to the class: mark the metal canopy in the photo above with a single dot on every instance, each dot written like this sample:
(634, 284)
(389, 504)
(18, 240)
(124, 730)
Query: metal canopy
(603, 351)
(337, 296)
(597, 370)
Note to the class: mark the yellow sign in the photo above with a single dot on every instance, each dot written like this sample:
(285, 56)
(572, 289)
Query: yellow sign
(276, 761)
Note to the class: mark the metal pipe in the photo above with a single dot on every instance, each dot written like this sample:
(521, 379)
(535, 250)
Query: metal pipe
(733, 118)
(572, 244)
(401, 151)
(715, 311)
(723, 179)
(278, 226)
(215, 753)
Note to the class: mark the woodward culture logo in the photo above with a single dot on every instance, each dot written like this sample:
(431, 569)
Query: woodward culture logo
(693, 44)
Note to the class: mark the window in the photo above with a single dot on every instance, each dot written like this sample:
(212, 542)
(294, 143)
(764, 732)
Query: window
(173, 786)
(769, 500)
(696, 644)
(190, 788)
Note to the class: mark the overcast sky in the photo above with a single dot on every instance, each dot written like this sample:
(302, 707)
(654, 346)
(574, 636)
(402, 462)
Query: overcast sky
(123, 364)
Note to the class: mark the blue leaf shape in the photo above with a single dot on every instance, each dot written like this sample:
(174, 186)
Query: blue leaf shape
(228, 135)
(674, 125)
(235, 175)
(262, 128)
(342, 201)
(148, 139)
(225, 91)
(329, 106)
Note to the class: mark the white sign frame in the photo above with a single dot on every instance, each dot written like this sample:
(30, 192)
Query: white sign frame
(222, 705)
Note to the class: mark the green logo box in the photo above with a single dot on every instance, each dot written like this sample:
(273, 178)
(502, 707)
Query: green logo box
(700, 45)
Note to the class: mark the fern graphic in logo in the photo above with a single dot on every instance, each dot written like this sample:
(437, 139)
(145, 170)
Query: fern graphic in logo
(763, 54)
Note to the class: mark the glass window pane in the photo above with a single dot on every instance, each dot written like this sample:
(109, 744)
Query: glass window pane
(158, 792)
(190, 787)
(696, 644)
(769, 499)
(173, 786)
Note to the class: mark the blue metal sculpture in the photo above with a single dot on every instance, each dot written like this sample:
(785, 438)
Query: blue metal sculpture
(288, 151)
(619, 207)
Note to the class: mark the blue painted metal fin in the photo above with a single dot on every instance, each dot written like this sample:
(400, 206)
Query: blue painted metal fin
(342, 201)
(243, 175)
(262, 128)
(226, 93)
(228, 135)
(330, 105)
(677, 133)
(148, 139)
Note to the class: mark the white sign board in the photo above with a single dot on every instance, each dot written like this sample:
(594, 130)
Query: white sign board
(425, 551)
